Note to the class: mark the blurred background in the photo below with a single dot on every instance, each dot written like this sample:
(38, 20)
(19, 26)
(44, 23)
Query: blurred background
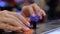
(51, 7)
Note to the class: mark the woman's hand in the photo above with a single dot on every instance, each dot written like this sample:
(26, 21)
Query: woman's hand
(30, 10)
(12, 21)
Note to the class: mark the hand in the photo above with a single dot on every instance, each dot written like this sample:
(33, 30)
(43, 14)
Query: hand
(30, 10)
(12, 21)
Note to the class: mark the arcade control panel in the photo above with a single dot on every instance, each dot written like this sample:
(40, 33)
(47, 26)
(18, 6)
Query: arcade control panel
(34, 21)
(33, 31)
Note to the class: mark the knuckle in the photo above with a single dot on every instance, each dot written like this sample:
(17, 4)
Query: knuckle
(34, 4)
(0, 13)
(24, 7)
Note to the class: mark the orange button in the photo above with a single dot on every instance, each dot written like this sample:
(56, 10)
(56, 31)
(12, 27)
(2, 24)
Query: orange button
(29, 31)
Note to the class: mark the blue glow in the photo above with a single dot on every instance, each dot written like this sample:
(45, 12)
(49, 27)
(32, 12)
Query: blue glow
(3, 4)
(19, 11)
(36, 18)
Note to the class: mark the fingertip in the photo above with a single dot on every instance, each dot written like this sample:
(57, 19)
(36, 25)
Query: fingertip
(28, 24)
(28, 19)
(44, 14)
(33, 15)
(25, 29)
(18, 28)
(40, 17)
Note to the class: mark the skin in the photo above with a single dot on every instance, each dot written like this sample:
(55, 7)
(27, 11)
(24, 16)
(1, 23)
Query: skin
(13, 21)
(31, 9)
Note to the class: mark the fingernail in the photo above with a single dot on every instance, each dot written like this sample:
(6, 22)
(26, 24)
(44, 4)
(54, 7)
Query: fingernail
(26, 29)
(17, 28)
(28, 24)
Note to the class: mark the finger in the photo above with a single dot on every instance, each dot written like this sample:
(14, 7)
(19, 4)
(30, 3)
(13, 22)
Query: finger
(6, 19)
(8, 27)
(28, 19)
(21, 23)
(13, 17)
(43, 12)
(24, 12)
(15, 24)
(23, 26)
(21, 18)
(10, 21)
(31, 11)
(37, 10)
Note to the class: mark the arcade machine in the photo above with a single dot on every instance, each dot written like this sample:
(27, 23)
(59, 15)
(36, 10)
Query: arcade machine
(34, 21)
